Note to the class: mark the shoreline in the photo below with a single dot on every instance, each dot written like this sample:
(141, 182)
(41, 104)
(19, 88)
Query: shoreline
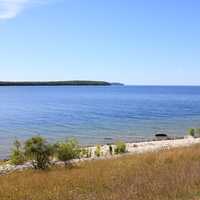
(131, 149)
(150, 146)
(4, 156)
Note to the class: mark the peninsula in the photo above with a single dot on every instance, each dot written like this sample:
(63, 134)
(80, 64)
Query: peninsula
(55, 83)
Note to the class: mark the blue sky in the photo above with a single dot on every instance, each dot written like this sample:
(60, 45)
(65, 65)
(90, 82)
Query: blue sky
(132, 41)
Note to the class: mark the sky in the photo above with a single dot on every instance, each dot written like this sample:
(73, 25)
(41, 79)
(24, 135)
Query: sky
(137, 42)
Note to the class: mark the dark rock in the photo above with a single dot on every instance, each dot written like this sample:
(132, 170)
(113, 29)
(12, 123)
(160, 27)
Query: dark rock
(161, 136)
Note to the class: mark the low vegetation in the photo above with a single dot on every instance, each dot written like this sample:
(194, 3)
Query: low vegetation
(17, 156)
(67, 150)
(194, 132)
(120, 147)
(165, 175)
(41, 153)
(85, 153)
(98, 151)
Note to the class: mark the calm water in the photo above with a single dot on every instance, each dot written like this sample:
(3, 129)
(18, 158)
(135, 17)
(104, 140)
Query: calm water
(92, 114)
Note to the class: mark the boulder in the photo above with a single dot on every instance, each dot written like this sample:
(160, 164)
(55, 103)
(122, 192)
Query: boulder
(161, 136)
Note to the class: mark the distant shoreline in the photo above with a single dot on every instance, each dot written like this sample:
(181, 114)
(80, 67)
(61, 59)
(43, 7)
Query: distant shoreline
(57, 83)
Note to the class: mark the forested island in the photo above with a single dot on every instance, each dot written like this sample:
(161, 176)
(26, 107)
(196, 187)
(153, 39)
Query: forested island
(55, 83)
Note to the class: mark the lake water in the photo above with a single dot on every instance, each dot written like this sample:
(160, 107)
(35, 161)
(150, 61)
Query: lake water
(92, 114)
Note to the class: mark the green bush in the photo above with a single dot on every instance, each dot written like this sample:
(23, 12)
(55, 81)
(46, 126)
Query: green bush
(17, 156)
(68, 150)
(192, 132)
(120, 147)
(85, 153)
(98, 151)
(39, 151)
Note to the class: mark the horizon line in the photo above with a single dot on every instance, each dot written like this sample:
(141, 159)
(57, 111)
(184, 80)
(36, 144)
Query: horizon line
(125, 84)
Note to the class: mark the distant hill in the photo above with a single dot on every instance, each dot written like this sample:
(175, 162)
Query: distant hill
(55, 83)
(117, 84)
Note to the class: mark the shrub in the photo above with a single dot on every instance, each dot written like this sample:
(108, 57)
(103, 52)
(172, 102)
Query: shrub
(85, 152)
(39, 151)
(98, 151)
(120, 147)
(17, 156)
(17, 145)
(192, 132)
(68, 150)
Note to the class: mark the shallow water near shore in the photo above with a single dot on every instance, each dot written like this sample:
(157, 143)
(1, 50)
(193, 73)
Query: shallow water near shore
(96, 114)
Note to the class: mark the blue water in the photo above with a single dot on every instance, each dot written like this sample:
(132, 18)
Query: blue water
(92, 114)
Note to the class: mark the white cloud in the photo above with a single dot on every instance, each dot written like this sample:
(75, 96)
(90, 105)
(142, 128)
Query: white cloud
(11, 8)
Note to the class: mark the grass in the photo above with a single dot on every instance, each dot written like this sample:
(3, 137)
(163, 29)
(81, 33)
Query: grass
(167, 175)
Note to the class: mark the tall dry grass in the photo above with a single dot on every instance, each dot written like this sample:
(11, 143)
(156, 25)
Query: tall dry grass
(172, 174)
